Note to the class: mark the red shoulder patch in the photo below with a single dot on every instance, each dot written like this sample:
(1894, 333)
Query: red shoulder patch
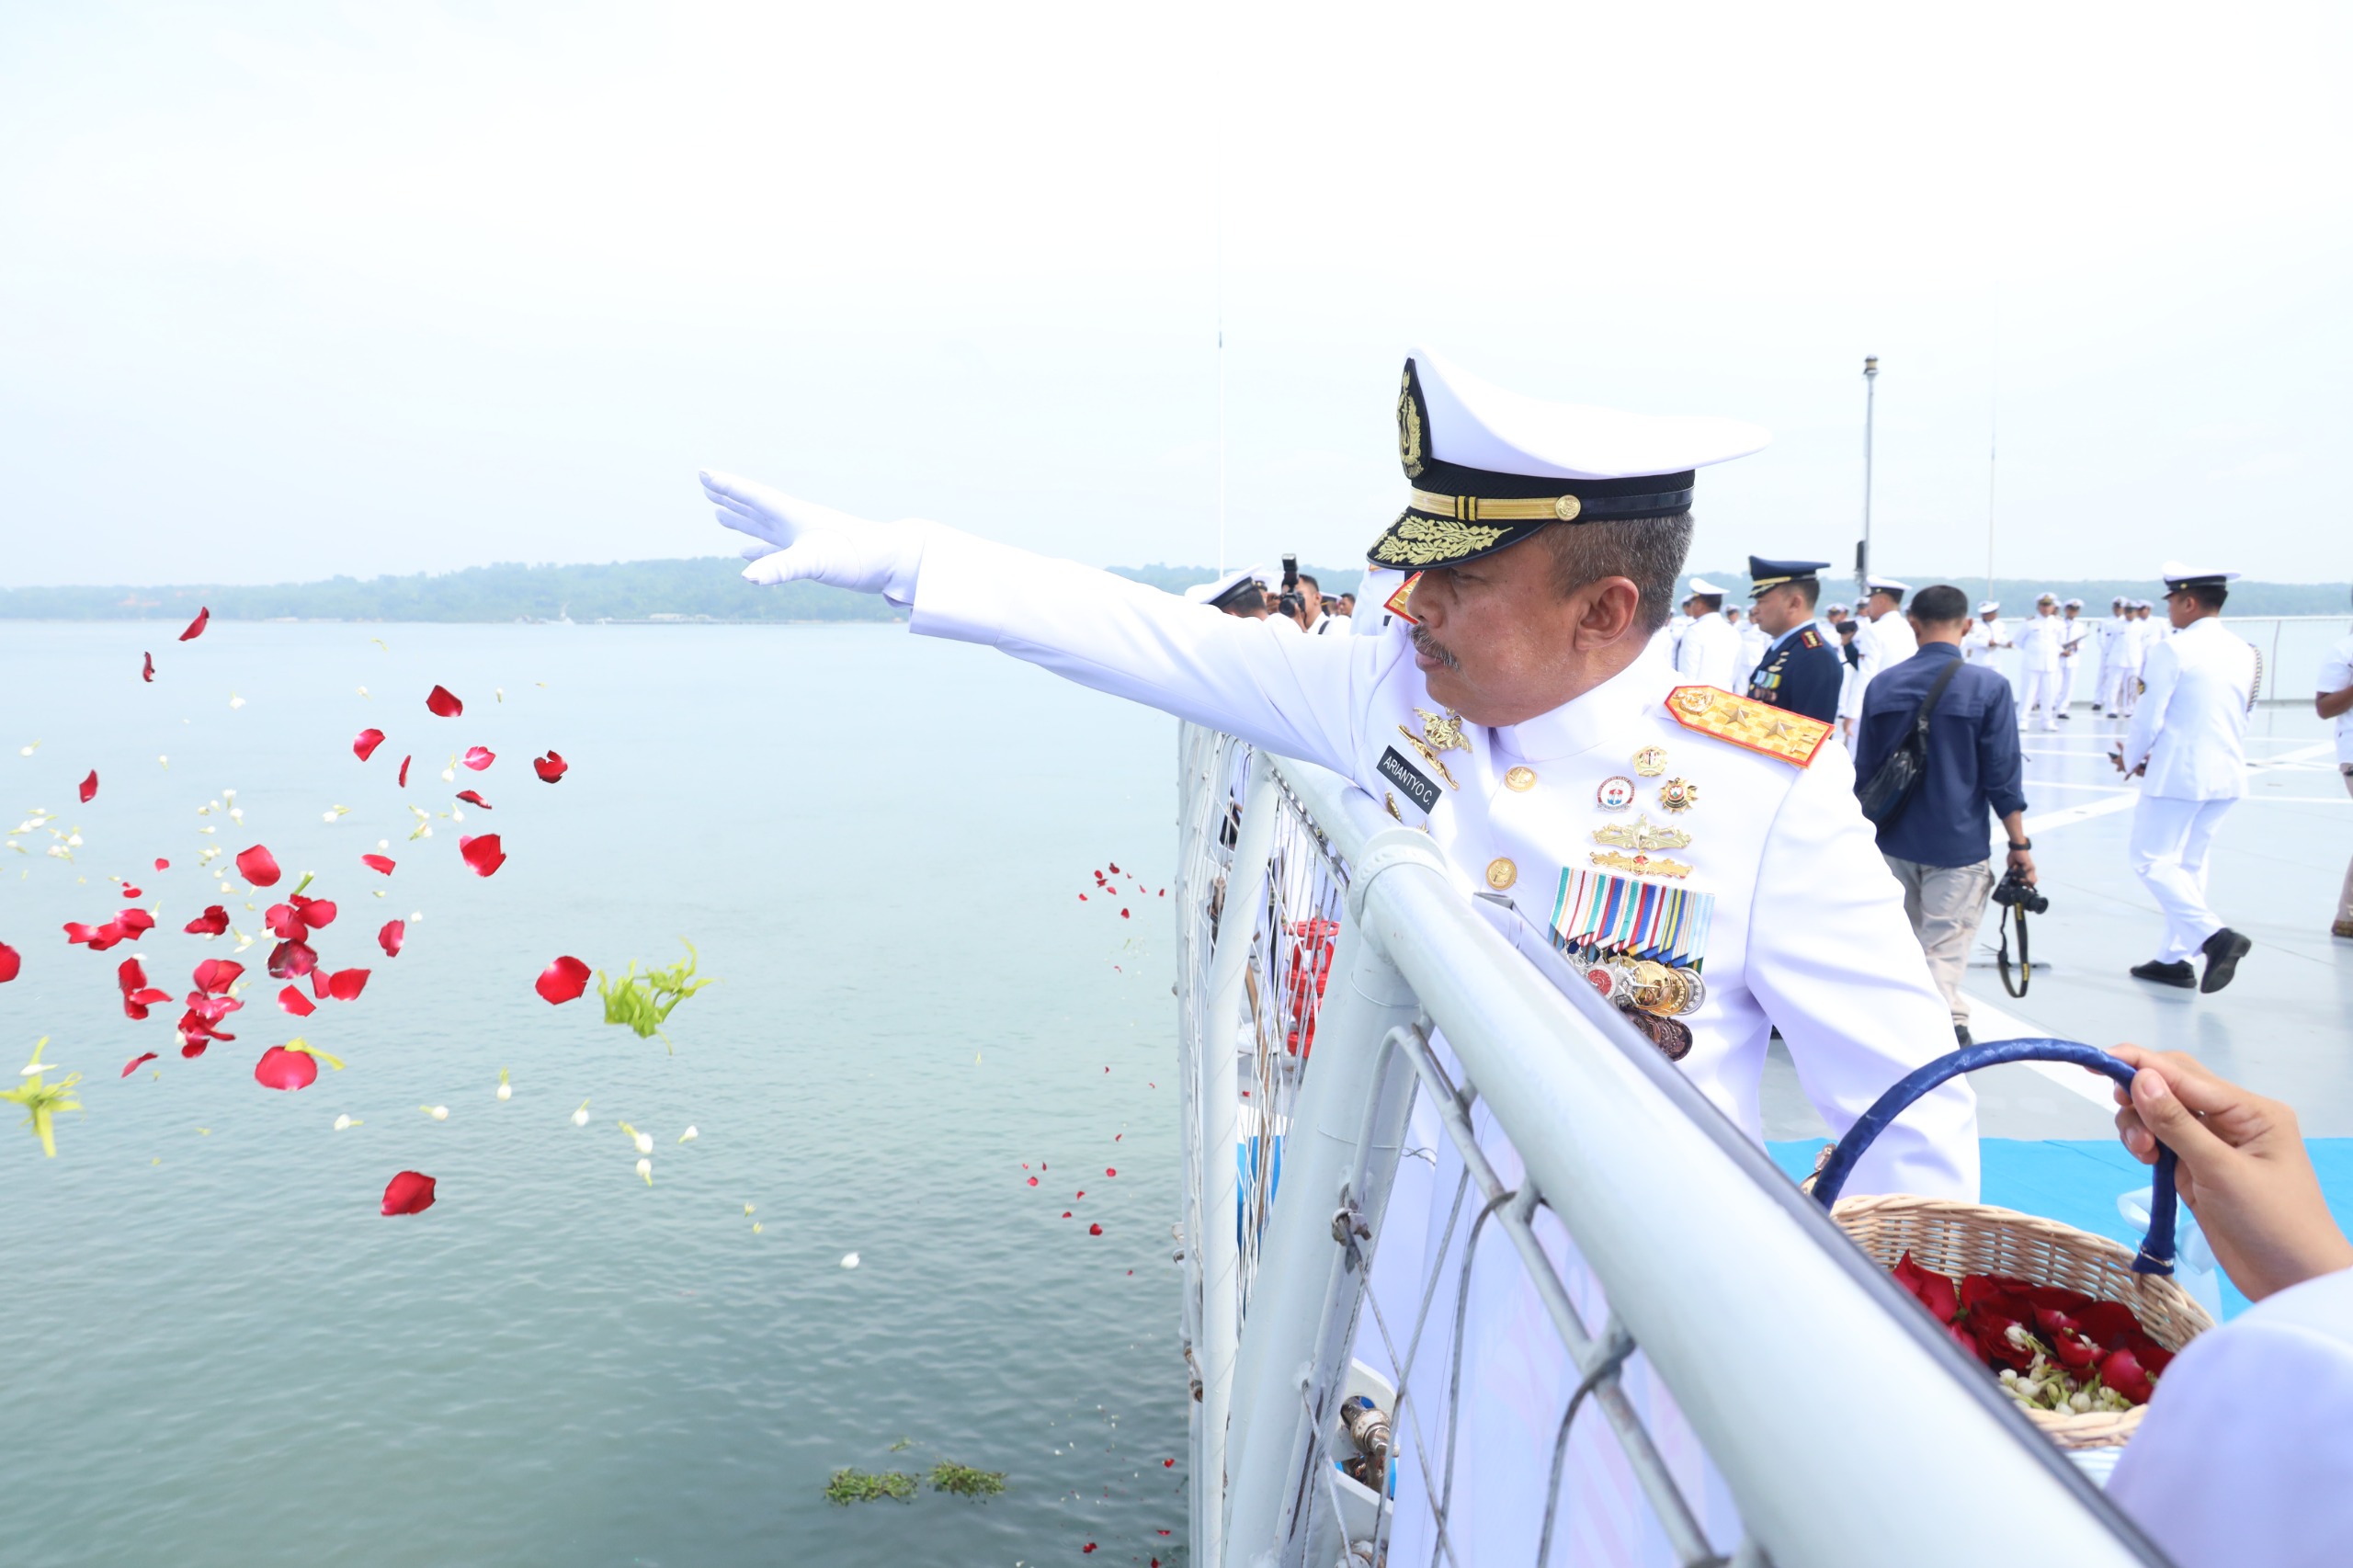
(1809, 638)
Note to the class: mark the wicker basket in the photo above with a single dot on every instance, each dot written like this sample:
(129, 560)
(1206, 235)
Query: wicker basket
(1958, 1239)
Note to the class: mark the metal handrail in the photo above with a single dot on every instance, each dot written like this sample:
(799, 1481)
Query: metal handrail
(1675, 1213)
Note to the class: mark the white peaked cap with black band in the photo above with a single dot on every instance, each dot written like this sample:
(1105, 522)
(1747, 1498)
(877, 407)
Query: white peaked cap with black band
(1890, 586)
(1213, 594)
(1991, 607)
(1490, 466)
(2177, 575)
(1702, 589)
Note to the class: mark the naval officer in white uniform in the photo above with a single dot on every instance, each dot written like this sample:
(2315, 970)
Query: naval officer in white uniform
(1884, 639)
(1710, 651)
(1513, 715)
(2187, 741)
(2040, 638)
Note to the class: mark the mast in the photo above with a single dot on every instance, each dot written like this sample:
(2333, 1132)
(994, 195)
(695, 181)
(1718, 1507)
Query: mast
(1863, 548)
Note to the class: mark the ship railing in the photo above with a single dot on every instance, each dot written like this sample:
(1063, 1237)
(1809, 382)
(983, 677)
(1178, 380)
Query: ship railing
(1331, 971)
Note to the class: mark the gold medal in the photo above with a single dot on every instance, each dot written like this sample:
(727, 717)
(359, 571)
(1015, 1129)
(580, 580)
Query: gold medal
(1651, 761)
(1640, 865)
(1640, 835)
(1679, 795)
(1501, 873)
(1520, 779)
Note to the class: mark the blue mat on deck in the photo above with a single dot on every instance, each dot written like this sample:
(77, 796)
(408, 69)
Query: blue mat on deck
(2076, 1182)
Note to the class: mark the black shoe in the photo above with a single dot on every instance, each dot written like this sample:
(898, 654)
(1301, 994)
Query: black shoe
(2176, 973)
(2223, 950)
(1960, 1035)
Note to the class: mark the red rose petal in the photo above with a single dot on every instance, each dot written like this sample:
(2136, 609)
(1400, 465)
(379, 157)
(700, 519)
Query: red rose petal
(1123, 914)
(390, 938)
(403, 778)
(481, 853)
(1033, 1181)
(1087, 1547)
(1168, 1465)
(1108, 1171)
(282, 921)
(212, 923)
(1065, 1213)
(147, 670)
(377, 863)
(282, 1069)
(365, 745)
(12, 963)
(319, 978)
(135, 922)
(90, 786)
(196, 628)
(258, 866)
(130, 892)
(2121, 1371)
(561, 981)
(317, 912)
(550, 767)
(294, 1002)
(442, 704)
(345, 984)
(214, 976)
(163, 865)
(474, 798)
(1094, 1230)
(136, 1063)
(410, 1192)
(291, 960)
(478, 759)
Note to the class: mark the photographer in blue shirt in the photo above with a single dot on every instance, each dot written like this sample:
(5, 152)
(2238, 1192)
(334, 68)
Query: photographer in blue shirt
(1938, 841)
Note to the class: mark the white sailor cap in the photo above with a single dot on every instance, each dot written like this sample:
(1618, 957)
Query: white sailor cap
(1991, 607)
(2046, 599)
(2120, 599)
(1702, 589)
(2073, 603)
(1890, 586)
(1213, 594)
(2177, 575)
(1490, 466)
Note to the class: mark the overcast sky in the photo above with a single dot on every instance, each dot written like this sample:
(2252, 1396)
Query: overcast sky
(289, 289)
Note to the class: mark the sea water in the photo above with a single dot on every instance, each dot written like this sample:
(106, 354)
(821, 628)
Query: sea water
(220, 1353)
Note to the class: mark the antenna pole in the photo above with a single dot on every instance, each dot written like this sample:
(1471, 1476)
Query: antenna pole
(1863, 549)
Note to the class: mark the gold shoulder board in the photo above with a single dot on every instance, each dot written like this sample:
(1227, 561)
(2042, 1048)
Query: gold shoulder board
(1759, 726)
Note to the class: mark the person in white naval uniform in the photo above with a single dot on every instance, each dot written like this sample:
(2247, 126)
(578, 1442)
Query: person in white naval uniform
(1984, 634)
(1521, 723)
(1885, 639)
(2074, 634)
(2241, 1460)
(2108, 695)
(1709, 650)
(2187, 741)
(1752, 644)
(2039, 641)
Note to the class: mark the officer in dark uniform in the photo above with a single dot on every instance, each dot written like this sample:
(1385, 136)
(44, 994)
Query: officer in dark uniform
(1800, 670)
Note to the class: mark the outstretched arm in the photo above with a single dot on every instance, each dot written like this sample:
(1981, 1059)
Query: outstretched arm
(1256, 679)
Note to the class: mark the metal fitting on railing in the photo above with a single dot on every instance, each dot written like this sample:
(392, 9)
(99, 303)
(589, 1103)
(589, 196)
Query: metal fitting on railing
(1386, 851)
(1349, 1228)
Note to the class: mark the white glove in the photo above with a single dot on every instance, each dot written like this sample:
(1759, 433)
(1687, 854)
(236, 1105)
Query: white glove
(801, 539)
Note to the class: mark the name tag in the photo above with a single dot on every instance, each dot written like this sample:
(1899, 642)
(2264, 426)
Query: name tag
(1421, 790)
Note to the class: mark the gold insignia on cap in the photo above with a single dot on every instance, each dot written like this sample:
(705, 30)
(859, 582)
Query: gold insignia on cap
(1409, 427)
(1501, 873)
(1520, 779)
(1640, 835)
(1414, 541)
(1567, 507)
(1640, 865)
(1651, 761)
(1679, 795)
(1755, 726)
(1443, 735)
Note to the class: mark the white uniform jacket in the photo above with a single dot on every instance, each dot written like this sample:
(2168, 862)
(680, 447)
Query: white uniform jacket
(2116, 645)
(2039, 641)
(2190, 723)
(1885, 641)
(1801, 927)
(1710, 653)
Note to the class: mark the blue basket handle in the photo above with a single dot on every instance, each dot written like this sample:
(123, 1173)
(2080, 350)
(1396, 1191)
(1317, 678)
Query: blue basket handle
(2157, 1251)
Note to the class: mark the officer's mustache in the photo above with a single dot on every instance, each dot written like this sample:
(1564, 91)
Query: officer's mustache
(1432, 648)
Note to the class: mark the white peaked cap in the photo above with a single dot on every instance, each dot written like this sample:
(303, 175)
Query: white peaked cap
(2046, 599)
(2073, 603)
(1202, 593)
(1990, 606)
(1891, 585)
(1702, 586)
(2174, 572)
(1479, 424)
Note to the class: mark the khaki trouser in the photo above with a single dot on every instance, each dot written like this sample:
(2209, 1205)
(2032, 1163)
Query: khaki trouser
(2345, 899)
(1945, 905)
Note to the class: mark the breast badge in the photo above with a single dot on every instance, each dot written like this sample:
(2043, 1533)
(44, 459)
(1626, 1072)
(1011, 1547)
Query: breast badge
(1638, 865)
(1615, 794)
(1678, 794)
(1651, 761)
(1438, 734)
(1640, 835)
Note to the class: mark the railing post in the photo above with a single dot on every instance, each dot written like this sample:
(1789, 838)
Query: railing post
(1217, 1245)
(1300, 1269)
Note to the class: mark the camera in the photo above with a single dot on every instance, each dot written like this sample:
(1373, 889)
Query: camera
(2016, 891)
(1292, 602)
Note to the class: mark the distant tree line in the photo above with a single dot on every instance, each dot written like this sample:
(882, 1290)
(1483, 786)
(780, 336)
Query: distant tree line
(708, 587)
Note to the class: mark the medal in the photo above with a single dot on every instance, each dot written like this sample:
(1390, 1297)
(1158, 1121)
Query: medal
(1679, 795)
(1617, 792)
(1640, 835)
(1651, 761)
